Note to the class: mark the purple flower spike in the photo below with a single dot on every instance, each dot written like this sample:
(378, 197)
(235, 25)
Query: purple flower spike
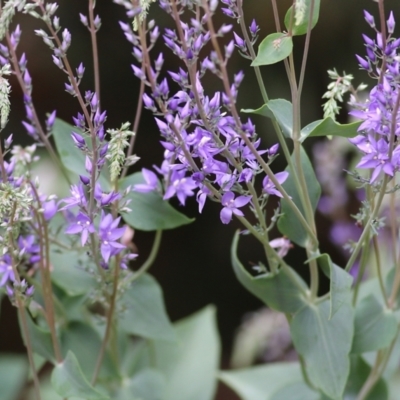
(268, 185)
(231, 206)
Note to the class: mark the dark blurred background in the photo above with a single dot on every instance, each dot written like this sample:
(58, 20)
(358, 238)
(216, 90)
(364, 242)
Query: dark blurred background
(193, 265)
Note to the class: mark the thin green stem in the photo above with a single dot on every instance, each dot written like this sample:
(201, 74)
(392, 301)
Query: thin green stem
(363, 263)
(381, 361)
(367, 227)
(150, 259)
(109, 323)
(95, 51)
(379, 270)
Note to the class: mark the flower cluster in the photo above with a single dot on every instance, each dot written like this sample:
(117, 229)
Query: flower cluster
(91, 211)
(206, 145)
(379, 132)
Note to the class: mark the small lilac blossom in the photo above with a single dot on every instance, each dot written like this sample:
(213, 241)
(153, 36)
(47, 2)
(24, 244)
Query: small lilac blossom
(29, 246)
(151, 180)
(269, 186)
(105, 199)
(6, 270)
(231, 206)
(180, 186)
(49, 209)
(82, 225)
(282, 244)
(109, 233)
(77, 198)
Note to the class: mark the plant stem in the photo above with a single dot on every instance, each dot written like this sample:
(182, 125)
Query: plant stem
(367, 227)
(109, 323)
(95, 52)
(150, 260)
(28, 343)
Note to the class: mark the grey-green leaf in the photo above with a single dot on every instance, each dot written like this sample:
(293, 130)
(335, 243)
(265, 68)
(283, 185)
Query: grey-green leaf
(149, 211)
(84, 341)
(329, 127)
(40, 340)
(13, 374)
(325, 345)
(277, 291)
(375, 326)
(300, 27)
(279, 110)
(148, 384)
(190, 366)
(145, 313)
(288, 223)
(274, 48)
(275, 381)
(68, 380)
(340, 283)
(69, 274)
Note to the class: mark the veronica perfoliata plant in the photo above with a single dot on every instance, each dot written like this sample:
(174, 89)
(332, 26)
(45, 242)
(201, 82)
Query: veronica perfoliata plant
(93, 319)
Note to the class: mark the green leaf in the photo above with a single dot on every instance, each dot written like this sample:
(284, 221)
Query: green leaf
(190, 366)
(280, 110)
(68, 380)
(300, 27)
(84, 341)
(145, 313)
(329, 127)
(359, 372)
(340, 283)
(274, 48)
(40, 340)
(269, 382)
(288, 223)
(324, 345)
(69, 274)
(149, 211)
(148, 384)
(375, 326)
(71, 157)
(13, 374)
(277, 291)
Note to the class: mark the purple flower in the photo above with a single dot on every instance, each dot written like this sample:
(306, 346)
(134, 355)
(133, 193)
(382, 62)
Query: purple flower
(180, 186)
(269, 186)
(231, 206)
(49, 209)
(282, 244)
(151, 184)
(77, 197)
(105, 199)
(6, 270)
(29, 246)
(82, 225)
(109, 233)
